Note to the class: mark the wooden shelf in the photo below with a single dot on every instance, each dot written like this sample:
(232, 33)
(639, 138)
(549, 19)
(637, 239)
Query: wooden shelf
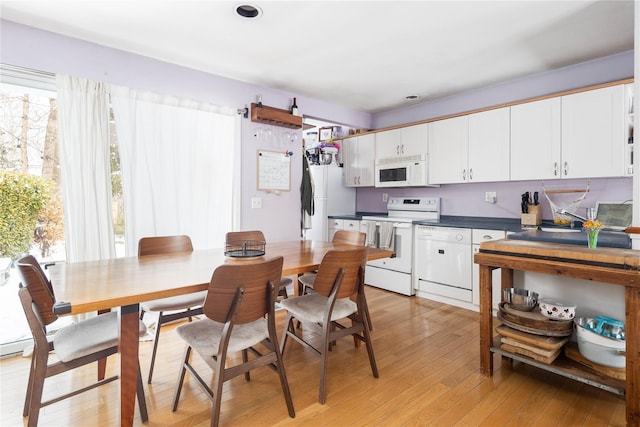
(275, 116)
(568, 368)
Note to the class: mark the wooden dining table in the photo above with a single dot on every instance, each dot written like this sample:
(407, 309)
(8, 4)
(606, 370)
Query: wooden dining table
(123, 283)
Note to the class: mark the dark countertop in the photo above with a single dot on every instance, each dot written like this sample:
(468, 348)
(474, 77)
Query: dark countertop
(613, 239)
(610, 239)
(506, 224)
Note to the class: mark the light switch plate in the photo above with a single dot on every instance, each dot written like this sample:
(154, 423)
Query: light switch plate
(256, 203)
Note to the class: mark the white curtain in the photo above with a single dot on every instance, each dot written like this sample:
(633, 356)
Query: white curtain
(83, 129)
(178, 160)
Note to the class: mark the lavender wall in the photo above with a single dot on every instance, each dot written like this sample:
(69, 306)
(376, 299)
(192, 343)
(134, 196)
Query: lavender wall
(468, 199)
(280, 213)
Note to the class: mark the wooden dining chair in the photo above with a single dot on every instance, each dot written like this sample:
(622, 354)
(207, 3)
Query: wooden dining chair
(346, 237)
(171, 308)
(305, 282)
(243, 236)
(76, 345)
(340, 277)
(240, 315)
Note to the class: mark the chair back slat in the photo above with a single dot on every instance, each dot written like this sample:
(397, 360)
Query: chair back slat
(35, 281)
(164, 245)
(351, 261)
(349, 237)
(254, 277)
(242, 236)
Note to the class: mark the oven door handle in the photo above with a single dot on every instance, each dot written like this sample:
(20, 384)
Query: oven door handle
(402, 225)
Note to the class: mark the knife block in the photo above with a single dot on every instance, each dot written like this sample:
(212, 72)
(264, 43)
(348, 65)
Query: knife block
(534, 217)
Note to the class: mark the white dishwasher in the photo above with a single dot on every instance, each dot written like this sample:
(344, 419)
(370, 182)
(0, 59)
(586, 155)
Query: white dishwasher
(443, 260)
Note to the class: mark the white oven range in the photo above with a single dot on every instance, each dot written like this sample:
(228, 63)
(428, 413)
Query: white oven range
(394, 274)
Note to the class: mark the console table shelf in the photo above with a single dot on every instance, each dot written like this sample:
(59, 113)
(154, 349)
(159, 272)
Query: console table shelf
(567, 368)
(275, 116)
(607, 265)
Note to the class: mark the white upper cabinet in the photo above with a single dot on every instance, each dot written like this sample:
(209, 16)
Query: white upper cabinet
(489, 146)
(448, 148)
(402, 142)
(594, 133)
(535, 140)
(358, 156)
(471, 148)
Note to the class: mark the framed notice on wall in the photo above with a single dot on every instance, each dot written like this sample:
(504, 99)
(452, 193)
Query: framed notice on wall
(274, 171)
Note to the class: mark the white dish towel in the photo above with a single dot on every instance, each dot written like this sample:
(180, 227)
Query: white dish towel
(387, 236)
(371, 234)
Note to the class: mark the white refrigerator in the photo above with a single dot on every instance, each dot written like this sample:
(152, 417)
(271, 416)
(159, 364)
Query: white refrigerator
(330, 197)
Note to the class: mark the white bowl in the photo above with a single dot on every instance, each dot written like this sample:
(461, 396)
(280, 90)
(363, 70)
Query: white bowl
(601, 350)
(557, 309)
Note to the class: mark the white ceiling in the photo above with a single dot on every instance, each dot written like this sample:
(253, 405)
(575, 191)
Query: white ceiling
(367, 55)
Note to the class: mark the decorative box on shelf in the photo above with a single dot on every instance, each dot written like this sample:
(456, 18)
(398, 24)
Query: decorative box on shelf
(275, 116)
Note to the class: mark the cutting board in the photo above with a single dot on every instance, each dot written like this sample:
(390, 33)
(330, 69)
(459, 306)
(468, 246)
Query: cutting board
(539, 341)
(572, 352)
(533, 349)
(524, 352)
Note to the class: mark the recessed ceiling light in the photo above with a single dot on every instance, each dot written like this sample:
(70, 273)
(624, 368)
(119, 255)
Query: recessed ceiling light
(248, 11)
(411, 97)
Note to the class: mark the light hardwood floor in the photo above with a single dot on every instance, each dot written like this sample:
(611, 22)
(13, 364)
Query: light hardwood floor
(427, 354)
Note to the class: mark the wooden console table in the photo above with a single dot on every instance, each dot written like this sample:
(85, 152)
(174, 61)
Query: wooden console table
(608, 265)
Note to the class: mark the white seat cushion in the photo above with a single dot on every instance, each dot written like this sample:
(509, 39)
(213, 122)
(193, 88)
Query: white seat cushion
(310, 308)
(89, 336)
(180, 302)
(307, 279)
(204, 336)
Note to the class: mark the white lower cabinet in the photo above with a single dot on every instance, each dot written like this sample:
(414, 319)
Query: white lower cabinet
(335, 224)
(478, 236)
(342, 224)
(351, 225)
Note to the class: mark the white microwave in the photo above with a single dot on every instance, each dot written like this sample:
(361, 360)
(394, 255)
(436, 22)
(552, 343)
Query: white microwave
(407, 171)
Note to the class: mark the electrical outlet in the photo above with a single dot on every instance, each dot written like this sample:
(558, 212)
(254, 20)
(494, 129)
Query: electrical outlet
(490, 197)
(385, 197)
(256, 203)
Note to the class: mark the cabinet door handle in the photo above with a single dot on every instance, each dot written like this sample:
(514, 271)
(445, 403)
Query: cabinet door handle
(555, 168)
(464, 174)
(470, 174)
(401, 148)
(566, 168)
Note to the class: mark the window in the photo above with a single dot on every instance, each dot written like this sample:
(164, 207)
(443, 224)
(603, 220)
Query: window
(29, 147)
(28, 150)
